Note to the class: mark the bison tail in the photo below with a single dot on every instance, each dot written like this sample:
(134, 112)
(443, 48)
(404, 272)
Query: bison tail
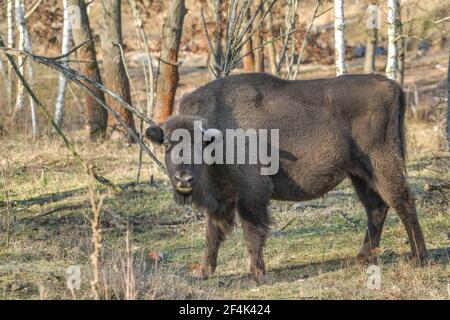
(401, 122)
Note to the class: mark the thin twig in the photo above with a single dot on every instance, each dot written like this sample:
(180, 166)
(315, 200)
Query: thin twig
(81, 81)
(32, 10)
(71, 51)
(266, 43)
(305, 41)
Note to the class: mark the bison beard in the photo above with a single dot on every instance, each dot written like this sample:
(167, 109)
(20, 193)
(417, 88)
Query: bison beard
(182, 199)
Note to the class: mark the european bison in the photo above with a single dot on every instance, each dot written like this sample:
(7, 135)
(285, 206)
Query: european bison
(329, 129)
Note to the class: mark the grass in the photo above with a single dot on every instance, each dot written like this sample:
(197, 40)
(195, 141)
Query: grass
(309, 254)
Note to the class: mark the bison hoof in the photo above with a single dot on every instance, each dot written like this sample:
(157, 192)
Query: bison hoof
(422, 259)
(254, 279)
(365, 258)
(367, 255)
(202, 272)
(261, 279)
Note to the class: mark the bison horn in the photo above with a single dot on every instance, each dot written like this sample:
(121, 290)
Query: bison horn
(210, 133)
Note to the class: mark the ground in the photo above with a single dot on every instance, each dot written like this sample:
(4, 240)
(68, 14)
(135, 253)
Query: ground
(310, 253)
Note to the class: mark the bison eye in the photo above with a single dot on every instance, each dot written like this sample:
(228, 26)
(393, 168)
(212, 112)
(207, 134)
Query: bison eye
(167, 145)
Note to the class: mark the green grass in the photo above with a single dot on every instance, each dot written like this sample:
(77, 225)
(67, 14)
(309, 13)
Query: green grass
(309, 254)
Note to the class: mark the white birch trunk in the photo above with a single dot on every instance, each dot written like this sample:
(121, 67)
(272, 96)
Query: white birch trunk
(10, 43)
(10, 22)
(339, 39)
(25, 44)
(392, 62)
(20, 96)
(60, 98)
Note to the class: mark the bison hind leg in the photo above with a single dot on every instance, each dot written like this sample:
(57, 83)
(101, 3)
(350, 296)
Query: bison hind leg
(376, 210)
(389, 181)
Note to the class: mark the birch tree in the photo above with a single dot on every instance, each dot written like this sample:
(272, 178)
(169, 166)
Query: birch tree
(392, 54)
(168, 71)
(25, 44)
(62, 82)
(20, 93)
(10, 43)
(401, 47)
(339, 38)
(10, 22)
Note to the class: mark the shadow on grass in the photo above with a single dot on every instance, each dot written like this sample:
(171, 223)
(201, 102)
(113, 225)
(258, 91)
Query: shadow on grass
(292, 273)
(58, 196)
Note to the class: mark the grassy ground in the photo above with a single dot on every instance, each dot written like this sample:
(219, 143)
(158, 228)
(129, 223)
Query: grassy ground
(309, 255)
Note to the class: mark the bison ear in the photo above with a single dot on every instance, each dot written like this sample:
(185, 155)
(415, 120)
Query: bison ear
(155, 134)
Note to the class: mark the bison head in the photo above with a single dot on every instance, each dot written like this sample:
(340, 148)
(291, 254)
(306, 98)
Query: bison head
(184, 138)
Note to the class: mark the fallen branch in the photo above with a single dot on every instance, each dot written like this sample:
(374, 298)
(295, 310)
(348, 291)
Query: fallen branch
(66, 207)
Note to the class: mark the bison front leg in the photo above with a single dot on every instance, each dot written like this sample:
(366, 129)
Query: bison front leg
(255, 224)
(216, 232)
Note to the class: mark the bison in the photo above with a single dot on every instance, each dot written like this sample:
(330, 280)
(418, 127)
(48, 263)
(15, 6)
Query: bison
(351, 126)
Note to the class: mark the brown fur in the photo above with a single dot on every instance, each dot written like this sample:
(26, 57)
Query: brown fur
(330, 129)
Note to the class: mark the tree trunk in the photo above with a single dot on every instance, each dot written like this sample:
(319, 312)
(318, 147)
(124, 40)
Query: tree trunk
(10, 42)
(31, 80)
(401, 48)
(6, 84)
(81, 31)
(339, 39)
(371, 47)
(249, 59)
(24, 44)
(217, 57)
(258, 39)
(392, 59)
(271, 46)
(60, 98)
(448, 102)
(168, 70)
(114, 69)
(20, 96)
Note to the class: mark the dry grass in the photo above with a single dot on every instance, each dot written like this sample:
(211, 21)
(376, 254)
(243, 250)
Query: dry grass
(310, 258)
